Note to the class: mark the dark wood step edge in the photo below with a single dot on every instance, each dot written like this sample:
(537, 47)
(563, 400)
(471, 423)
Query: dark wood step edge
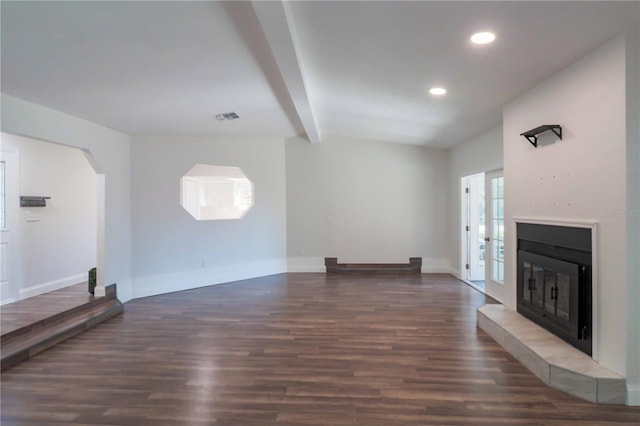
(42, 335)
(413, 267)
(110, 294)
(69, 321)
(14, 356)
(49, 341)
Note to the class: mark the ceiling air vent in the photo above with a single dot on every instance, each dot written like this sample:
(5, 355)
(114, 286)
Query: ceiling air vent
(227, 116)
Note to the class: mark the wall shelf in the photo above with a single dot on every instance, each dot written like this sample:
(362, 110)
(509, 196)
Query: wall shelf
(532, 135)
(30, 201)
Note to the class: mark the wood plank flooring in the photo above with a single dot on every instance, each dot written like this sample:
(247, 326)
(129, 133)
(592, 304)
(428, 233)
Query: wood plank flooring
(24, 312)
(293, 349)
(57, 321)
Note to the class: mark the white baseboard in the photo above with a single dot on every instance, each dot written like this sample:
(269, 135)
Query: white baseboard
(124, 290)
(168, 283)
(633, 395)
(35, 290)
(4, 291)
(456, 273)
(5, 300)
(436, 265)
(306, 264)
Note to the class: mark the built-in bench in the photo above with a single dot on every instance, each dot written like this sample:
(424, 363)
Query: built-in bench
(22, 343)
(554, 361)
(413, 267)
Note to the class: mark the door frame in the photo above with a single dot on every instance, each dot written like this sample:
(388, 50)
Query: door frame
(11, 157)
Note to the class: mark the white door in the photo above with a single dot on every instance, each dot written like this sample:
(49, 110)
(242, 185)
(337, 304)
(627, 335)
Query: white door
(9, 199)
(475, 228)
(494, 237)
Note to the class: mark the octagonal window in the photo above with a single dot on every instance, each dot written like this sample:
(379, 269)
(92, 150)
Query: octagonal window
(216, 192)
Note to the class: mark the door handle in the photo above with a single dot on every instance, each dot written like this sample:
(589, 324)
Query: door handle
(487, 239)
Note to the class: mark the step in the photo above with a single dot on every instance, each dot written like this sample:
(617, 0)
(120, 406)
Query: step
(554, 361)
(413, 267)
(25, 342)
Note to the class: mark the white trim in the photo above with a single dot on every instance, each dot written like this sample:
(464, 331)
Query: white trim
(151, 285)
(595, 290)
(13, 231)
(305, 264)
(123, 288)
(456, 274)
(633, 395)
(436, 265)
(35, 290)
(4, 290)
(557, 222)
(101, 225)
(475, 287)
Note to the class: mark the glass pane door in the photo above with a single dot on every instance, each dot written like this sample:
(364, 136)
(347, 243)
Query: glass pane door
(495, 223)
(563, 296)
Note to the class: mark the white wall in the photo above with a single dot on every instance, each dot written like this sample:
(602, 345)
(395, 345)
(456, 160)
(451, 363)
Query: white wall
(110, 150)
(57, 242)
(173, 251)
(365, 201)
(582, 177)
(480, 154)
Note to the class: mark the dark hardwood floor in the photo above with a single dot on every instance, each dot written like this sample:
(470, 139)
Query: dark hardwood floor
(34, 309)
(294, 349)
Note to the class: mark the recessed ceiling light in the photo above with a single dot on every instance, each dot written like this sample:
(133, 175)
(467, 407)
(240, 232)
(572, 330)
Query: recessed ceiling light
(484, 37)
(438, 91)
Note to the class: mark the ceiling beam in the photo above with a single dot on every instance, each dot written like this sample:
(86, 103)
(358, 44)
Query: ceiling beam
(277, 24)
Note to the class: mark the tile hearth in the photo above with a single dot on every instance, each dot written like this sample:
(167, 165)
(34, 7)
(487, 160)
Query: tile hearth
(554, 361)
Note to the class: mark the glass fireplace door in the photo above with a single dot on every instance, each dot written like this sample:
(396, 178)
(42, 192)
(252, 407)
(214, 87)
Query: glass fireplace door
(549, 287)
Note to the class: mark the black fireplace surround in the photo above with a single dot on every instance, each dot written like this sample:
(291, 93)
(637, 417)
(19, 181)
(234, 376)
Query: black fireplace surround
(554, 280)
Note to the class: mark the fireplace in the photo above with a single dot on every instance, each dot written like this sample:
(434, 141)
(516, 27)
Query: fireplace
(554, 280)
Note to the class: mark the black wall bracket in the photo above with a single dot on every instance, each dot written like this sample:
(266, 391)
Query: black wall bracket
(30, 201)
(532, 135)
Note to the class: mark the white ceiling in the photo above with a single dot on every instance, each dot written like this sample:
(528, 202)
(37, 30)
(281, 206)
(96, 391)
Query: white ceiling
(357, 69)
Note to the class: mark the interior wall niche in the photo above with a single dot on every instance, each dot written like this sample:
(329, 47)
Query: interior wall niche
(216, 192)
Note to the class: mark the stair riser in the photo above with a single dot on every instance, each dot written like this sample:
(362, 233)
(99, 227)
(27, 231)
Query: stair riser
(42, 337)
(61, 317)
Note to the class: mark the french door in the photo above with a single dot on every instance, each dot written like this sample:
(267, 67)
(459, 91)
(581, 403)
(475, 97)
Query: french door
(494, 232)
(473, 224)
